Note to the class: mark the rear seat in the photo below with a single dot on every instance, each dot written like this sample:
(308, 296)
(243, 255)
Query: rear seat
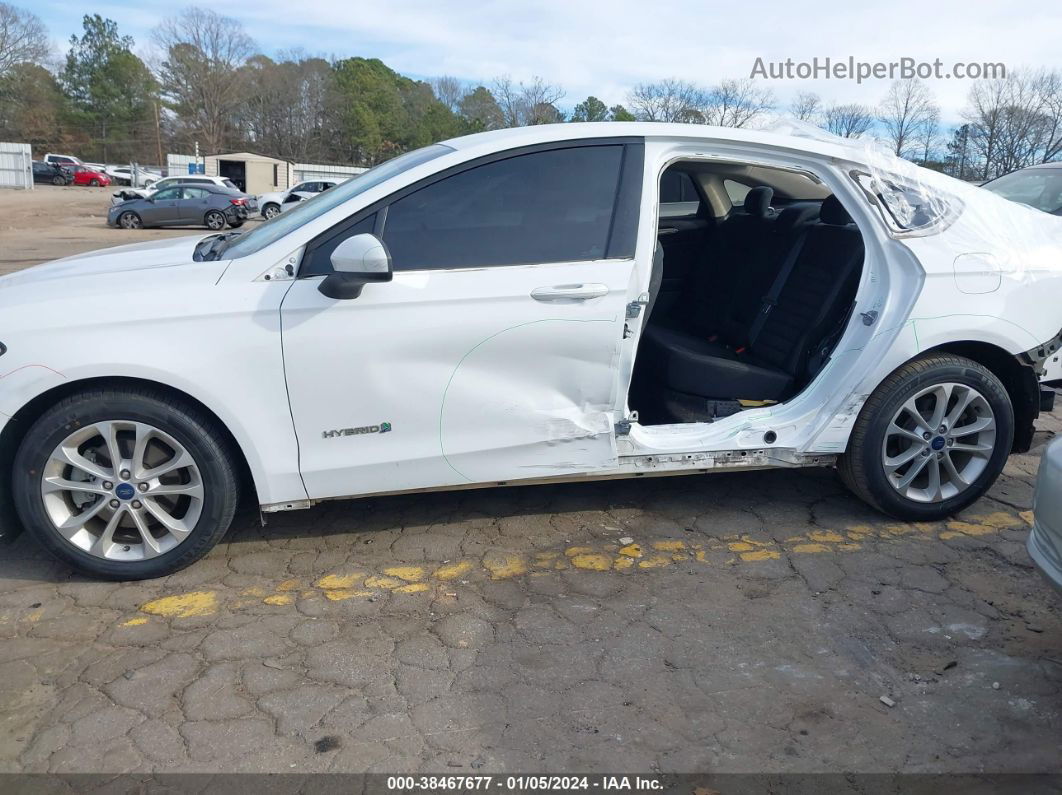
(764, 356)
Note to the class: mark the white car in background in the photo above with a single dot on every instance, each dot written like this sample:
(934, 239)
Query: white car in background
(123, 175)
(125, 194)
(273, 204)
(524, 306)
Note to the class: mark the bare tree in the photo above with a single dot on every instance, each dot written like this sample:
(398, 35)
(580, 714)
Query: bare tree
(1014, 121)
(539, 100)
(449, 91)
(848, 121)
(926, 135)
(23, 38)
(736, 103)
(906, 110)
(200, 72)
(668, 100)
(807, 106)
(527, 103)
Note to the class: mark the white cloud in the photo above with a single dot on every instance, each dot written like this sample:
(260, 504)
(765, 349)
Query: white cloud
(604, 48)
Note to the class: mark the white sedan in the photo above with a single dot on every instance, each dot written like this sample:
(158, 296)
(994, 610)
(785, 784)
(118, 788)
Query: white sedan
(553, 303)
(273, 204)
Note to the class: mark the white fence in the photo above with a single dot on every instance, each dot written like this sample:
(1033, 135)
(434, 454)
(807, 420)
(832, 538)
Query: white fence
(305, 171)
(16, 166)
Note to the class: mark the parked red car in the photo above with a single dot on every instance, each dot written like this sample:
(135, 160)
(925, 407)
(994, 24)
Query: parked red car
(83, 175)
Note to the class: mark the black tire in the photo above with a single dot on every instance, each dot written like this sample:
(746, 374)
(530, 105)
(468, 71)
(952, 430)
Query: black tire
(270, 211)
(94, 183)
(130, 220)
(237, 223)
(215, 220)
(192, 428)
(861, 467)
(57, 180)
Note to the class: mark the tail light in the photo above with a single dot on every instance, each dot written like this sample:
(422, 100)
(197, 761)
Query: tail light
(238, 202)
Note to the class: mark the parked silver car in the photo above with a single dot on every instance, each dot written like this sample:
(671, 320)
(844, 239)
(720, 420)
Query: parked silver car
(182, 205)
(1045, 540)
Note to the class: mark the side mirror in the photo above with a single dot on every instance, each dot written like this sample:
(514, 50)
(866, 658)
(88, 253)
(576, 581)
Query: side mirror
(357, 261)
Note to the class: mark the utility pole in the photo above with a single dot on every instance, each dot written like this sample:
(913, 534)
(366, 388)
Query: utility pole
(158, 134)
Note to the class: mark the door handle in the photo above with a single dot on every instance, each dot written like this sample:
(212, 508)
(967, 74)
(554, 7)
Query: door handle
(569, 293)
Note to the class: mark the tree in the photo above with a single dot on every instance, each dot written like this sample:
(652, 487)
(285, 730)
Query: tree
(31, 107)
(384, 113)
(110, 91)
(590, 109)
(620, 113)
(807, 107)
(669, 100)
(23, 38)
(287, 112)
(449, 91)
(735, 103)
(909, 115)
(480, 110)
(958, 162)
(848, 121)
(200, 72)
(524, 104)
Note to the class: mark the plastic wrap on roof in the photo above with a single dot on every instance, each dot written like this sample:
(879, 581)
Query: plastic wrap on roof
(995, 235)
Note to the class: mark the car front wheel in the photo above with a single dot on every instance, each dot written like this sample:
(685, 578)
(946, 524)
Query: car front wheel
(130, 220)
(125, 484)
(57, 180)
(270, 211)
(931, 439)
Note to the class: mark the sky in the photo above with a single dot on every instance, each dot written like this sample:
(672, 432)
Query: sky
(605, 48)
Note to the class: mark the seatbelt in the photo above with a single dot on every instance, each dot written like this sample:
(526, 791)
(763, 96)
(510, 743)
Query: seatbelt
(771, 299)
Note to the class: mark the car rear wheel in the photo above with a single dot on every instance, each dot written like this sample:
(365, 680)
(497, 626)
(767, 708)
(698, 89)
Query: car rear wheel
(271, 211)
(931, 439)
(130, 220)
(125, 484)
(214, 220)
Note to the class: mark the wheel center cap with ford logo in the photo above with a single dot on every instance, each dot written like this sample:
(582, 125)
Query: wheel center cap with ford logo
(125, 491)
(936, 444)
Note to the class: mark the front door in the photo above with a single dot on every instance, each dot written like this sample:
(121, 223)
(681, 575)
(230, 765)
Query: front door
(163, 208)
(194, 204)
(495, 353)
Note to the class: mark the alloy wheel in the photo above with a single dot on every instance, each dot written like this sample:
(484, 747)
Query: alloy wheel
(272, 211)
(215, 221)
(130, 221)
(939, 442)
(122, 490)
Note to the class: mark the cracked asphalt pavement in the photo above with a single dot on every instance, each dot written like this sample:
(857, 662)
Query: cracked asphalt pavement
(745, 622)
(742, 622)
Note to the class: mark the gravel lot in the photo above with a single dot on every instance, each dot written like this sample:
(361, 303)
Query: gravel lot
(737, 622)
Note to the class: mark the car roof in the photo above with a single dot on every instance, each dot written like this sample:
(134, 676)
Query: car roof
(790, 135)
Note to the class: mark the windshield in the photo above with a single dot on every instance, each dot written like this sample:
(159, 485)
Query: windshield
(304, 212)
(1038, 187)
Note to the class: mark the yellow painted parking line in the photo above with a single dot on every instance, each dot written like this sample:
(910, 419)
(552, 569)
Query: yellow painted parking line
(436, 579)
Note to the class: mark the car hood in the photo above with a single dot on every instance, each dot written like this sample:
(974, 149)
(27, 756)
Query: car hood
(133, 257)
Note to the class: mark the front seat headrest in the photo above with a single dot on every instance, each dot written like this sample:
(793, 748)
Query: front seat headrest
(758, 201)
(833, 212)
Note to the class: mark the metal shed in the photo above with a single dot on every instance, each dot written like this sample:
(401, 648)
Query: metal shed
(252, 173)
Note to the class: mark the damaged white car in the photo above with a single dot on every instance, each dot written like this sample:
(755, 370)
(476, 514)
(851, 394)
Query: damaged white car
(566, 302)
